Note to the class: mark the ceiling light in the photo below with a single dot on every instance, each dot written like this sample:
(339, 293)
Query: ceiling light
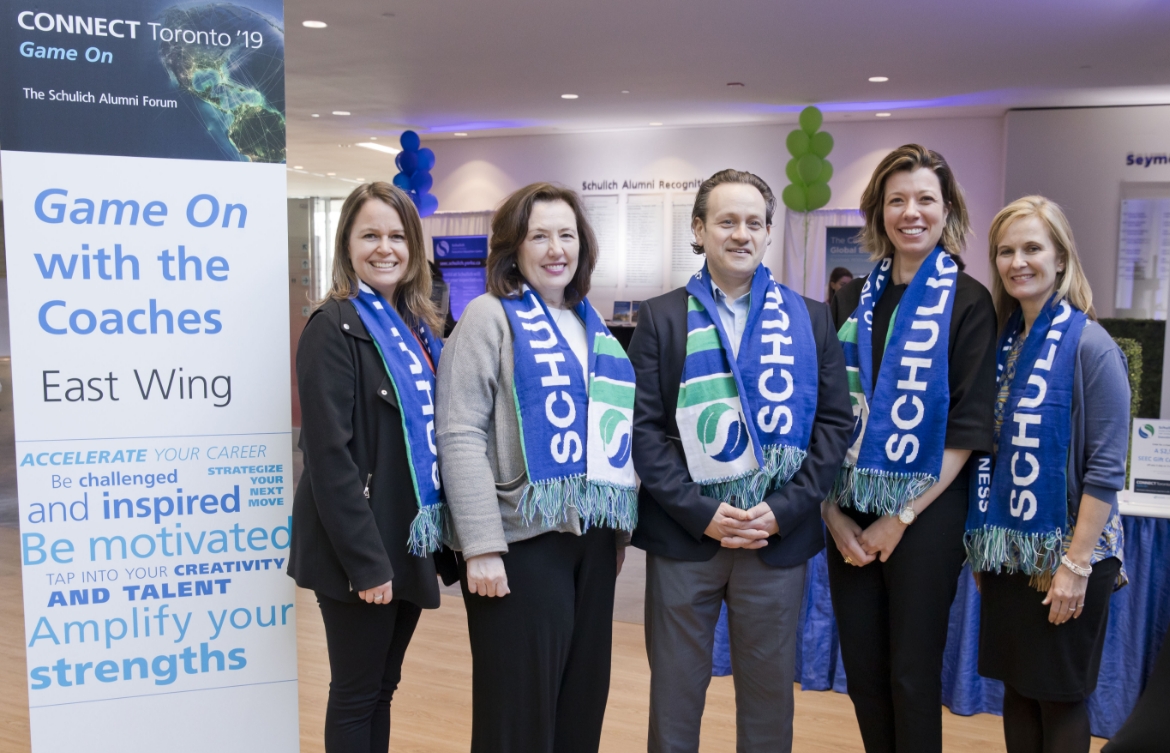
(882, 114)
(377, 147)
(625, 91)
(655, 124)
(460, 133)
(568, 96)
(314, 24)
(298, 167)
(878, 79)
(331, 174)
(363, 180)
(315, 115)
(373, 138)
(341, 112)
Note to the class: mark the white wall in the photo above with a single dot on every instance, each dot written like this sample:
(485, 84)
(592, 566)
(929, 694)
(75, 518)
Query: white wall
(1077, 158)
(476, 174)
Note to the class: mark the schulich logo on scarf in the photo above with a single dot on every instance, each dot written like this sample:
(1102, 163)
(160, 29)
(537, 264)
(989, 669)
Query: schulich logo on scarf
(615, 433)
(719, 421)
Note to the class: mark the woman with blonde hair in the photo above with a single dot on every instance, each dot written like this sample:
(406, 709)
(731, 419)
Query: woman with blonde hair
(1044, 534)
(919, 338)
(369, 510)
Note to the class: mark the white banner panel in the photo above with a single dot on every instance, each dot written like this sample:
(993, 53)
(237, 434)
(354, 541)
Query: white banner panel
(146, 254)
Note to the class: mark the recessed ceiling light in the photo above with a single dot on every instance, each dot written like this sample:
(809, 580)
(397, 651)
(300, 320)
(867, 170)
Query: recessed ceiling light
(298, 167)
(314, 24)
(460, 133)
(735, 84)
(373, 138)
(882, 114)
(878, 79)
(341, 112)
(363, 180)
(331, 174)
(377, 147)
(655, 124)
(625, 91)
(568, 96)
(315, 115)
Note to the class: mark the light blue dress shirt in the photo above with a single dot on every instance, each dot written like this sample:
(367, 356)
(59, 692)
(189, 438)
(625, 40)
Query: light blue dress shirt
(733, 312)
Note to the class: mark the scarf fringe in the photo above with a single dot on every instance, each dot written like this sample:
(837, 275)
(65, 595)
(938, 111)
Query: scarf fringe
(995, 549)
(598, 503)
(748, 489)
(609, 505)
(426, 530)
(878, 492)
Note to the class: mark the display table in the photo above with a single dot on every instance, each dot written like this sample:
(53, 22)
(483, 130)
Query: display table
(1138, 620)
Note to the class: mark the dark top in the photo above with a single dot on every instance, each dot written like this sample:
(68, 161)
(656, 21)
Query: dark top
(351, 435)
(970, 361)
(672, 511)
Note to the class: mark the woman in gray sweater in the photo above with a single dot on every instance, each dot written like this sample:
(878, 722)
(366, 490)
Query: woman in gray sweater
(534, 409)
(1044, 535)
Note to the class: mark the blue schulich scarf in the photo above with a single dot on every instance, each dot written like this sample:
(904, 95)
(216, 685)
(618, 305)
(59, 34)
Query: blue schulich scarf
(1019, 499)
(576, 437)
(414, 386)
(901, 422)
(745, 420)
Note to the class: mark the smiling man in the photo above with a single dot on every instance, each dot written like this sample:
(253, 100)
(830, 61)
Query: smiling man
(741, 420)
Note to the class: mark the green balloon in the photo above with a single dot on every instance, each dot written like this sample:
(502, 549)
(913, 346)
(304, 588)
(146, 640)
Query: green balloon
(810, 120)
(818, 195)
(791, 171)
(826, 172)
(794, 198)
(797, 143)
(820, 144)
(809, 168)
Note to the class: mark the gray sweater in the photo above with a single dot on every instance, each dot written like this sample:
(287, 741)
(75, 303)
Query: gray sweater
(1100, 419)
(480, 456)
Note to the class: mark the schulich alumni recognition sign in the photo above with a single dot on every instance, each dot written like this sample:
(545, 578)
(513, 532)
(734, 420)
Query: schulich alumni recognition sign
(143, 149)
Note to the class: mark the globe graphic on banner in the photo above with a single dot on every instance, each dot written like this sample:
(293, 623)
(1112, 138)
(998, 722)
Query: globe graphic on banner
(237, 83)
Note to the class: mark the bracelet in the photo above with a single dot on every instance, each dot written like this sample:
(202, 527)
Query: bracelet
(1076, 569)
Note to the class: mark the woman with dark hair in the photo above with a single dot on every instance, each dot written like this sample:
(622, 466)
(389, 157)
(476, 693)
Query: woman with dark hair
(919, 339)
(838, 278)
(368, 511)
(1046, 539)
(534, 411)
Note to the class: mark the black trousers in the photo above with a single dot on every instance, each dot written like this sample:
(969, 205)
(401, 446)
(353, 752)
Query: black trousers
(367, 643)
(541, 654)
(892, 619)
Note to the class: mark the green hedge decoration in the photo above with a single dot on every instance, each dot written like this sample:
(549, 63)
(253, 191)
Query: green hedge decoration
(808, 170)
(1151, 335)
(1133, 354)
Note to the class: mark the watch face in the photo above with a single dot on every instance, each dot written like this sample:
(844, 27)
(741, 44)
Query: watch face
(907, 516)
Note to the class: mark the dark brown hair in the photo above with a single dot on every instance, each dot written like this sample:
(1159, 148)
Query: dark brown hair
(699, 211)
(510, 228)
(412, 295)
(909, 158)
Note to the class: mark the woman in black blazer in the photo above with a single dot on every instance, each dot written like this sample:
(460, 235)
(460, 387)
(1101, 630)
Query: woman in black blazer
(355, 505)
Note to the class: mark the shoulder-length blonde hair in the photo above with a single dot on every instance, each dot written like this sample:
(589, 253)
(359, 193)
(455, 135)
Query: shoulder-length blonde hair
(909, 158)
(1071, 283)
(412, 295)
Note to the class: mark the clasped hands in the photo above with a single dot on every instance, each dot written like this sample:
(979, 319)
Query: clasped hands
(860, 546)
(743, 529)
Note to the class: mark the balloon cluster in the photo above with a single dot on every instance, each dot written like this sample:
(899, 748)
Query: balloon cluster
(414, 173)
(808, 169)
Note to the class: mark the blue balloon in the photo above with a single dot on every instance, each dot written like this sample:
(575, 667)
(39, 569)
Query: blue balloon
(426, 159)
(421, 181)
(408, 162)
(409, 141)
(428, 204)
(398, 160)
(402, 180)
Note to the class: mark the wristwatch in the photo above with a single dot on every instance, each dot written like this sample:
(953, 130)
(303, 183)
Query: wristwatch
(907, 516)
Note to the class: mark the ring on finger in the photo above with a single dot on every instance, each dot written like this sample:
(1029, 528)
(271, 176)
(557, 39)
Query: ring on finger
(848, 560)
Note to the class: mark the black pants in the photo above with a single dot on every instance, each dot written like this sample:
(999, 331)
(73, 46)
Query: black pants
(892, 618)
(1031, 726)
(367, 643)
(541, 654)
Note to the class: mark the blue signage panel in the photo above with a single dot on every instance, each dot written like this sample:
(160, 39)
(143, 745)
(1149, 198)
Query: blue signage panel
(842, 249)
(463, 261)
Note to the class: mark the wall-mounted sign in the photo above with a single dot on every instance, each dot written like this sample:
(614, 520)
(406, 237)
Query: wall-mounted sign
(463, 261)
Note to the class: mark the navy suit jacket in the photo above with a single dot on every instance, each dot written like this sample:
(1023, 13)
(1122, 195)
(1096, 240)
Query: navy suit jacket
(672, 511)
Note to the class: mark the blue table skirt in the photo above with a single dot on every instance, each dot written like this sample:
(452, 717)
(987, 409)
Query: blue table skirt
(1139, 615)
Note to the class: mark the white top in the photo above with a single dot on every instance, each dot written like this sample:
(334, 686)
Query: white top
(573, 330)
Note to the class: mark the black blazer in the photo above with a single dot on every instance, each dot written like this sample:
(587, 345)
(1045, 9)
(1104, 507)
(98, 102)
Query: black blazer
(351, 435)
(672, 513)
